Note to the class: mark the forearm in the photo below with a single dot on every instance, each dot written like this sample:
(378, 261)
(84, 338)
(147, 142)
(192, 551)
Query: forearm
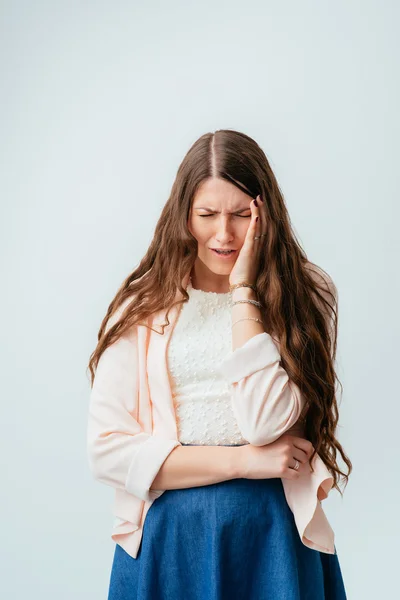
(265, 401)
(244, 330)
(192, 466)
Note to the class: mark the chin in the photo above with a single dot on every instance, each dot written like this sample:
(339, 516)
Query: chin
(214, 267)
(222, 270)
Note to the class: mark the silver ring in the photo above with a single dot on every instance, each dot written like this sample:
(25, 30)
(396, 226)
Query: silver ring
(296, 466)
(257, 237)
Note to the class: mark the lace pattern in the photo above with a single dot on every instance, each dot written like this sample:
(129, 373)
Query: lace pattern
(201, 338)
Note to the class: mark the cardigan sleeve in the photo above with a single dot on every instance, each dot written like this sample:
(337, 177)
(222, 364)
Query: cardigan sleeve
(121, 454)
(266, 403)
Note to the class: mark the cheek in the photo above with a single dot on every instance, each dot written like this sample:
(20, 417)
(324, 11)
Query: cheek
(242, 232)
(193, 229)
(199, 231)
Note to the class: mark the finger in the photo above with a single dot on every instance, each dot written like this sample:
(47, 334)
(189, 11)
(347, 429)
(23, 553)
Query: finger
(299, 455)
(293, 463)
(301, 466)
(260, 228)
(252, 230)
(302, 444)
(291, 474)
(263, 216)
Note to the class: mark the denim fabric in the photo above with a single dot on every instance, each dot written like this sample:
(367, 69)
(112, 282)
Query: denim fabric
(233, 540)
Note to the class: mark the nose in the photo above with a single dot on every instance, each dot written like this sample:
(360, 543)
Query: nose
(224, 233)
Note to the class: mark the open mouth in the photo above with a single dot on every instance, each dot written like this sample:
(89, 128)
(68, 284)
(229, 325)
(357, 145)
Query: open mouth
(223, 253)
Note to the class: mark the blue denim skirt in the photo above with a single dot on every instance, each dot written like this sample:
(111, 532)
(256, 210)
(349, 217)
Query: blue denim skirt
(232, 540)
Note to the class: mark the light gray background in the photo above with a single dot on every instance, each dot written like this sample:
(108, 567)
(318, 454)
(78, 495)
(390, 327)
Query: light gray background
(100, 101)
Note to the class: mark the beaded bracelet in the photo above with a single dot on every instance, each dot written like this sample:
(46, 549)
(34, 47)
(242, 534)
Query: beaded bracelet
(234, 286)
(247, 319)
(255, 302)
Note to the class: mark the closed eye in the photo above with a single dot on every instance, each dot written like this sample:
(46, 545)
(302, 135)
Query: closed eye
(240, 216)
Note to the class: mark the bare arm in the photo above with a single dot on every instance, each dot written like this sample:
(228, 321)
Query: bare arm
(192, 466)
(244, 330)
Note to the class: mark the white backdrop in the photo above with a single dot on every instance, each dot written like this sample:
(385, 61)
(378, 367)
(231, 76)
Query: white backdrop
(100, 102)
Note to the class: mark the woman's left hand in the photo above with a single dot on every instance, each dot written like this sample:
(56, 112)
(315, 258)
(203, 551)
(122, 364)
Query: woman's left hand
(246, 265)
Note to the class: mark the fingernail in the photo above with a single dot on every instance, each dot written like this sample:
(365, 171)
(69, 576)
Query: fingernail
(256, 218)
(255, 202)
(259, 197)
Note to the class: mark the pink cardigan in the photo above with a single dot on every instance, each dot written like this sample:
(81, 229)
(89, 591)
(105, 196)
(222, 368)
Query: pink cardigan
(132, 426)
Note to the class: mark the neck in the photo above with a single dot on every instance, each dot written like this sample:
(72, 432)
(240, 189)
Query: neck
(215, 283)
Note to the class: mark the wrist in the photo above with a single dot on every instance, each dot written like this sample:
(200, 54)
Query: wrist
(239, 462)
(244, 293)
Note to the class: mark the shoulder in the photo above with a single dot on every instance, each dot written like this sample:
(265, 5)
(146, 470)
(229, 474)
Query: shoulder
(119, 313)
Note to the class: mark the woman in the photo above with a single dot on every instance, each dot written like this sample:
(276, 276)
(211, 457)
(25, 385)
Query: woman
(218, 432)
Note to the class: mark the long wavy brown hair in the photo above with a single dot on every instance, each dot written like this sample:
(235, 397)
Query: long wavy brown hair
(299, 298)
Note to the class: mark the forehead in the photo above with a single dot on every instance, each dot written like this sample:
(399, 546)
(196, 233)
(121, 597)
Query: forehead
(220, 194)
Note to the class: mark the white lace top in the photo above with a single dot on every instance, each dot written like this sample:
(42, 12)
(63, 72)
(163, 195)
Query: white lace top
(201, 337)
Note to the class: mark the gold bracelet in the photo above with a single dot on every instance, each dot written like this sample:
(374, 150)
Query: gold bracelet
(234, 286)
(255, 302)
(247, 319)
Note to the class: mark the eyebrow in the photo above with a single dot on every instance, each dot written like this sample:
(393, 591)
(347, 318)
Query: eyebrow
(213, 210)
